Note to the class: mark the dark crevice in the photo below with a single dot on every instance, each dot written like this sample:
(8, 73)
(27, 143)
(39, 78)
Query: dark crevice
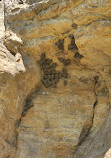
(12, 52)
(86, 131)
(96, 102)
(28, 104)
(87, 140)
(83, 135)
(17, 123)
(96, 95)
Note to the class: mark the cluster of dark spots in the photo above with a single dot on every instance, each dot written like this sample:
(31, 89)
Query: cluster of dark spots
(51, 80)
(66, 62)
(74, 26)
(60, 44)
(64, 73)
(78, 55)
(73, 45)
(51, 77)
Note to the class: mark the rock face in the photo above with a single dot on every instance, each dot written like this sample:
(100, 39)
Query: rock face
(55, 78)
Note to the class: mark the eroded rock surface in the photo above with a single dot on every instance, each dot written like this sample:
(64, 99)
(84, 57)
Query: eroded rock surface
(55, 78)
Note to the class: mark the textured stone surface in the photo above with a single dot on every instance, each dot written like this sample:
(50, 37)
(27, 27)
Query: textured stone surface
(57, 106)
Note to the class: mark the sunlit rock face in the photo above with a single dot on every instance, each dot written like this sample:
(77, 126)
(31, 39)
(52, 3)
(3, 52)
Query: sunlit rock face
(55, 70)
